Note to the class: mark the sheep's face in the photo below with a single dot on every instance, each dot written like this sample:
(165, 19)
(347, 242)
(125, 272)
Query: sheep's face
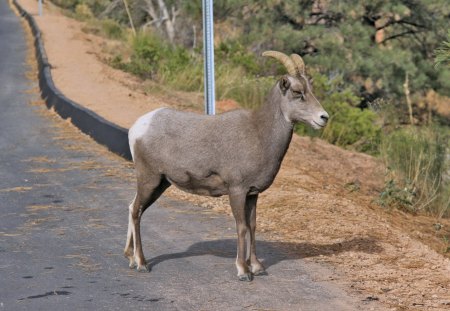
(299, 103)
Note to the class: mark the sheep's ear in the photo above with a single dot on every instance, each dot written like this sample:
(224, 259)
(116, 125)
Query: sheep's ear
(285, 84)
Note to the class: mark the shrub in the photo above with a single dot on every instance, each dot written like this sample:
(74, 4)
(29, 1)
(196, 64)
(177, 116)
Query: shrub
(105, 27)
(443, 53)
(147, 51)
(67, 4)
(237, 55)
(83, 12)
(181, 69)
(348, 126)
(112, 29)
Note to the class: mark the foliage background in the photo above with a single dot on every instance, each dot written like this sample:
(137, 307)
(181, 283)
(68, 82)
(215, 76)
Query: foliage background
(380, 68)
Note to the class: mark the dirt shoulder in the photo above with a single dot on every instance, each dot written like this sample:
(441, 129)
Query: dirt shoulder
(321, 204)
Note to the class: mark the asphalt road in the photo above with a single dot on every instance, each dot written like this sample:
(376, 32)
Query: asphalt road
(63, 204)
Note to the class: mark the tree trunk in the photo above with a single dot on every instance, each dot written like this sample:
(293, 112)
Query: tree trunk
(160, 15)
(408, 99)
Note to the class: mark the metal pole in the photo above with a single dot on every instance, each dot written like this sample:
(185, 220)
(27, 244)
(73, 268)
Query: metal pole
(208, 55)
(40, 7)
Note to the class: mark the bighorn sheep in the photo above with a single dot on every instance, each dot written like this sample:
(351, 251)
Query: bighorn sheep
(237, 153)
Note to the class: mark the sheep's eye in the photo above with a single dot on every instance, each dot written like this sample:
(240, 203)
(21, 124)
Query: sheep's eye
(299, 94)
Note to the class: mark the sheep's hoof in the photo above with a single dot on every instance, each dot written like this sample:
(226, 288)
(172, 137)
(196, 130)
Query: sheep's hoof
(258, 269)
(132, 265)
(248, 277)
(260, 273)
(143, 268)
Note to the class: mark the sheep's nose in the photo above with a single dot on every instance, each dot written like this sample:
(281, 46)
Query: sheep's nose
(324, 117)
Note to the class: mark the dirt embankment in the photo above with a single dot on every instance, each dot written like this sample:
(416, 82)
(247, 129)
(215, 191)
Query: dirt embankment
(321, 206)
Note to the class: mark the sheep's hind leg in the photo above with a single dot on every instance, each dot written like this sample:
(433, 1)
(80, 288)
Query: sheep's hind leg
(146, 195)
(129, 246)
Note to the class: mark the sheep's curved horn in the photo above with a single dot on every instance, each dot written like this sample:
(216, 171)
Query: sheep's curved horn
(284, 59)
(299, 63)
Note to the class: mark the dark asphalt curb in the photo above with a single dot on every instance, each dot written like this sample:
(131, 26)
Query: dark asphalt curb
(114, 137)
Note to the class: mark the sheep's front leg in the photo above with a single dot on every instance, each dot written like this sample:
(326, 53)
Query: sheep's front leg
(250, 216)
(237, 202)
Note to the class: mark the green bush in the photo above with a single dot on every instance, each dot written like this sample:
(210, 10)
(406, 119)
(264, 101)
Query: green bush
(348, 126)
(147, 52)
(67, 4)
(95, 6)
(417, 163)
(181, 69)
(443, 52)
(106, 27)
(238, 56)
(154, 58)
(112, 29)
(83, 12)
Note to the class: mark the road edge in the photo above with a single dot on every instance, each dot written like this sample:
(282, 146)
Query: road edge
(104, 132)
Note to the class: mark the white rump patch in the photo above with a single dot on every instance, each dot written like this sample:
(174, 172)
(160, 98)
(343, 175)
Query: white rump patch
(140, 127)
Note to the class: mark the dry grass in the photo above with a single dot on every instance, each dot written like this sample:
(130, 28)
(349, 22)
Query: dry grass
(16, 189)
(38, 208)
(9, 234)
(84, 262)
(48, 170)
(36, 222)
(42, 159)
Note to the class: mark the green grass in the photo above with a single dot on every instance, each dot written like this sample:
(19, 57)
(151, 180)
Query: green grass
(180, 69)
(107, 28)
(417, 162)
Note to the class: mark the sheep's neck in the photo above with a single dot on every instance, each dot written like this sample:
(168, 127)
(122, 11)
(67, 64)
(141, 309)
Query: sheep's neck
(274, 131)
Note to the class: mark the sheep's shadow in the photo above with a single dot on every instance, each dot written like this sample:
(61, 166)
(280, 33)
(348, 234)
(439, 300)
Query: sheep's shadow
(273, 252)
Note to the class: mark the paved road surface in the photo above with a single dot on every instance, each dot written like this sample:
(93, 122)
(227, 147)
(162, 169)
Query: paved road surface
(63, 203)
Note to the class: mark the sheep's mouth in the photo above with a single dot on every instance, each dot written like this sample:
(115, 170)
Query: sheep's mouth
(318, 125)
